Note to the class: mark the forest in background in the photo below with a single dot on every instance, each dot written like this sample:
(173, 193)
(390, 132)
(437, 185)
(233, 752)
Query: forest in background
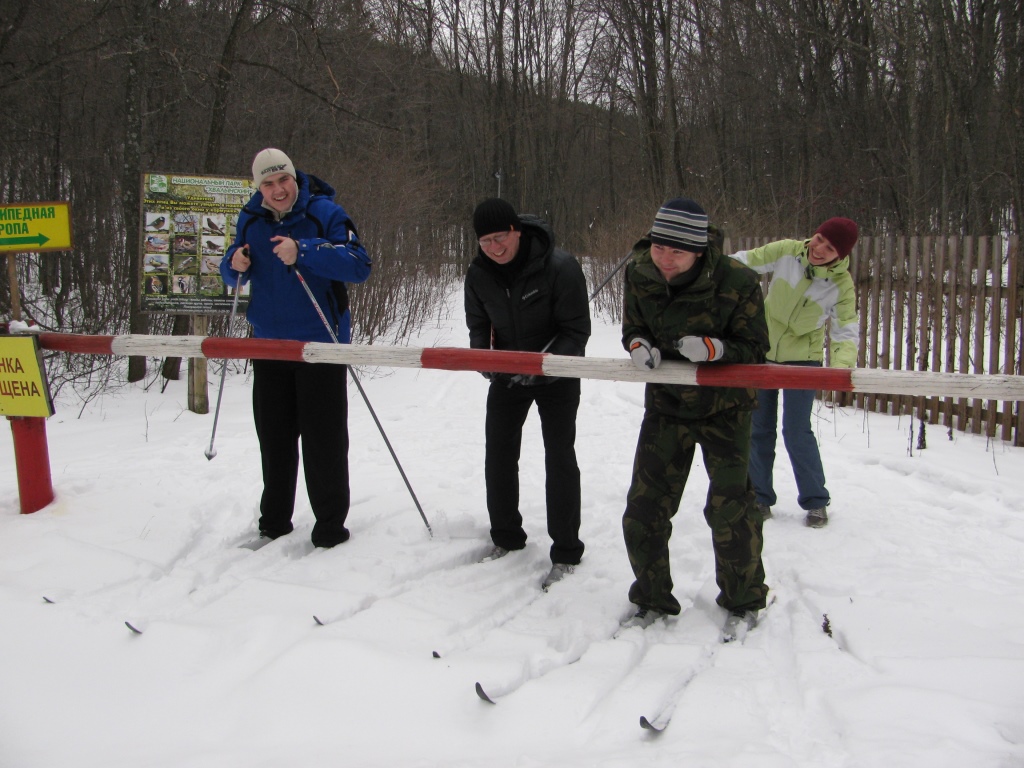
(902, 114)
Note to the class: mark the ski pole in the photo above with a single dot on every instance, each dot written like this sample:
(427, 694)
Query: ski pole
(611, 274)
(597, 290)
(211, 451)
(366, 400)
(519, 377)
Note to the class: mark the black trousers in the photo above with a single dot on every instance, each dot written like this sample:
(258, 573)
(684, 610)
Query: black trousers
(507, 408)
(308, 402)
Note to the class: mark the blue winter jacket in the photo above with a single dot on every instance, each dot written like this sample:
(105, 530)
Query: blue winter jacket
(329, 250)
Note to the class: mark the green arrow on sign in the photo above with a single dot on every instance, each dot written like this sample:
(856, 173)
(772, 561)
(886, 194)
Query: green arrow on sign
(34, 240)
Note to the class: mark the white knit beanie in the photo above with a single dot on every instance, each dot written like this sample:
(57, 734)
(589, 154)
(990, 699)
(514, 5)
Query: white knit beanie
(270, 161)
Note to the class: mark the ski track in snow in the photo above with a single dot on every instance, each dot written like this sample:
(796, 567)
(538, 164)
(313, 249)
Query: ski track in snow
(917, 572)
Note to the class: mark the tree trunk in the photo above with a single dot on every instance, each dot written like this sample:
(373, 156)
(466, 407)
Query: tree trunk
(132, 172)
(198, 399)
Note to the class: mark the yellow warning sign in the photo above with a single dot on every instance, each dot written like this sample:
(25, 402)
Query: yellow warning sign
(24, 390)
(35, 227)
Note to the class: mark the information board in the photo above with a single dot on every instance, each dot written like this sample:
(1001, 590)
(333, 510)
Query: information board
(188, 223)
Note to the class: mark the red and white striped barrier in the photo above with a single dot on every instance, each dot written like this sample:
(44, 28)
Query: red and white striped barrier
(860, 380)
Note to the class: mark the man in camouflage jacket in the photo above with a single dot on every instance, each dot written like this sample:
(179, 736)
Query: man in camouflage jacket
(684, 300)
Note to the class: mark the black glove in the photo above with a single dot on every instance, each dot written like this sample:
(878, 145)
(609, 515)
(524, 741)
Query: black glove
(524, 380)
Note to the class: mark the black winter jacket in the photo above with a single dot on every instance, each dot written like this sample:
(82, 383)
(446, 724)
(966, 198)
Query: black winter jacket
(547, 300)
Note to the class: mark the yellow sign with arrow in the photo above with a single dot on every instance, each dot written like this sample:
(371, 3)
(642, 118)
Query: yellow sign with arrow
(35, 227)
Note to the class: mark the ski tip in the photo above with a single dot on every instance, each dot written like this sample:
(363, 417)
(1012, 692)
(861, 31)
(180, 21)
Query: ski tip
(483, 694)
(436, 654)
(648, 725)
(47, 600)
(133, 628)
(317, 620)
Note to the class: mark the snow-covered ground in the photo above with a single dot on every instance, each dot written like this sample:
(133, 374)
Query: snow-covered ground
(920, 575)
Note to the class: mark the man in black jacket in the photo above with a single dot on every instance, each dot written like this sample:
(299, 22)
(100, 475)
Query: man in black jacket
(524, 294)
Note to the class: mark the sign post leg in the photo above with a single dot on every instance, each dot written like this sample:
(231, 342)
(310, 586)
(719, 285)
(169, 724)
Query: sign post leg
(198, 397)
(12, 280)
(35, 487)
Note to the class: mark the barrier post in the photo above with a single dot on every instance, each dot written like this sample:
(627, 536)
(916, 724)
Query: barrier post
(35, 486)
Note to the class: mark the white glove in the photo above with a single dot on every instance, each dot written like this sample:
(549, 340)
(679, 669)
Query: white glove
(699, 349)
(645, 357)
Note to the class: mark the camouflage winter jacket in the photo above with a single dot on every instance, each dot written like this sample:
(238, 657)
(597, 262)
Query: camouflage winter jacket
(724, 302)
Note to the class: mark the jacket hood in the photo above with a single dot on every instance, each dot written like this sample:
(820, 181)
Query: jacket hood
(539, 231)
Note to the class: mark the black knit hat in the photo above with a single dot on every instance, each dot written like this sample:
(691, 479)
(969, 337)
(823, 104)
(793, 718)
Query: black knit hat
(494, 215)
(681, 223)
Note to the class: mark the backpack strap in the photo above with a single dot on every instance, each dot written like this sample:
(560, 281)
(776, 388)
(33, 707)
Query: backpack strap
(339, 291)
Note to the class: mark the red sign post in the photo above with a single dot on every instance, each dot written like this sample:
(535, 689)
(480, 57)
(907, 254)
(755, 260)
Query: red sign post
(31, 454)
(24, 394)
(25, 401)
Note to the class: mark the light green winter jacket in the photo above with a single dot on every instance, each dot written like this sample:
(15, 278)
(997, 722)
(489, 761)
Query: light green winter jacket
(801, 298)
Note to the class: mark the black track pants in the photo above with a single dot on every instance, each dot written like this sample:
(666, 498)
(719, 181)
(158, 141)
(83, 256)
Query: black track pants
(507, 408)
(308, 402)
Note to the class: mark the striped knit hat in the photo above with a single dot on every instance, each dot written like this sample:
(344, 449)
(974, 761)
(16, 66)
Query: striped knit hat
(681, 223)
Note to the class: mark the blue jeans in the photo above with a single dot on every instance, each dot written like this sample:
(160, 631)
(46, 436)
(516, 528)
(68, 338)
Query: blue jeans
(800, 442)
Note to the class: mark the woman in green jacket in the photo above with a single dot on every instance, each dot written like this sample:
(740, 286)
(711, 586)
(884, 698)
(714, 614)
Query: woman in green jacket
(811, 286)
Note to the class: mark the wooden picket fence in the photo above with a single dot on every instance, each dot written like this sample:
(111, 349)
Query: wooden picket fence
(939, 303)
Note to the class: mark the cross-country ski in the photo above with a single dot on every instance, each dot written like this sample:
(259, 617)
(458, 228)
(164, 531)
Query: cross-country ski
(230, 655)
(650, 726)
(483, 694)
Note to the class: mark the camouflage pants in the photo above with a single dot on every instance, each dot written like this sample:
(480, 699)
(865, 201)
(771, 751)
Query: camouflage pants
(664, 456)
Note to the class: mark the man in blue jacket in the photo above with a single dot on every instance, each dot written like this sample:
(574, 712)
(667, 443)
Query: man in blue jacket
(293, 227)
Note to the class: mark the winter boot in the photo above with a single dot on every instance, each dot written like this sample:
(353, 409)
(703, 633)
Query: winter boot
(764, 510)
(558, 572)
(816, 518)
(643, 618)
(495, 553)
(257, 543)
(738, 624)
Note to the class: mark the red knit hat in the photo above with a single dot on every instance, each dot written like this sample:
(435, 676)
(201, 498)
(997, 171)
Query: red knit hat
(841, 233)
